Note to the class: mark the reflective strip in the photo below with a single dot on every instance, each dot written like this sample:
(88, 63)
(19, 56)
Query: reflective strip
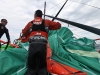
(38, 37)
(21, 70)
(85, 53)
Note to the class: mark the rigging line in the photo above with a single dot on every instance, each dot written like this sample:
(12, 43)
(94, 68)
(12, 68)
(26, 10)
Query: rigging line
(57, 5)
(86, 4)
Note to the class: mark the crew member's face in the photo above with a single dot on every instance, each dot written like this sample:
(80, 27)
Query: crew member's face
(4, 22)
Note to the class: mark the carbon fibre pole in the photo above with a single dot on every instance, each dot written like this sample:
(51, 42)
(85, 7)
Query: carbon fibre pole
(60, 10)
(82, 26)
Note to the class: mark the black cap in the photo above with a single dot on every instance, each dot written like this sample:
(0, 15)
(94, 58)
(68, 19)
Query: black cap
(4, 20)
(38, 13)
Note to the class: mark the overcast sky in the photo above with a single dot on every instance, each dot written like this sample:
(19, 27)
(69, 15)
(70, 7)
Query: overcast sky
(20, 12)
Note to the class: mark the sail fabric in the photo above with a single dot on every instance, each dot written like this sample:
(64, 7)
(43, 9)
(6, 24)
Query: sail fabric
(12, 61)
(78, 53)
(3, 47)
(66, 49)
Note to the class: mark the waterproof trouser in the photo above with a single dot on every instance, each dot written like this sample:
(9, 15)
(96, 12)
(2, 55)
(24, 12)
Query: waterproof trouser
(36, 62)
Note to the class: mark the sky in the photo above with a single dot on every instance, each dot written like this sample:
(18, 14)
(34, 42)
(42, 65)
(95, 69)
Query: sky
(20, 12)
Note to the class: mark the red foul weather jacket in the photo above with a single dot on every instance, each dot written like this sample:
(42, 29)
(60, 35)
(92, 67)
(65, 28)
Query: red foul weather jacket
(51, 24)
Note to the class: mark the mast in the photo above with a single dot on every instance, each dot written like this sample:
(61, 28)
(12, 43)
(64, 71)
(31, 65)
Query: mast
(44, 9)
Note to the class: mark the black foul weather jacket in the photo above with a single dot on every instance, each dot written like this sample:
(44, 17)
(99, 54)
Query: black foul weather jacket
(3, 30)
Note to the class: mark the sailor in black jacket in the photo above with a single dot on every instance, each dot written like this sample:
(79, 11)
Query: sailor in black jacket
(3, 30)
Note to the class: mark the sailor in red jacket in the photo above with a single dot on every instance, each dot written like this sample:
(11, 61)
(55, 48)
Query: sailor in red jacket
(51, 25)
(36, 32)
